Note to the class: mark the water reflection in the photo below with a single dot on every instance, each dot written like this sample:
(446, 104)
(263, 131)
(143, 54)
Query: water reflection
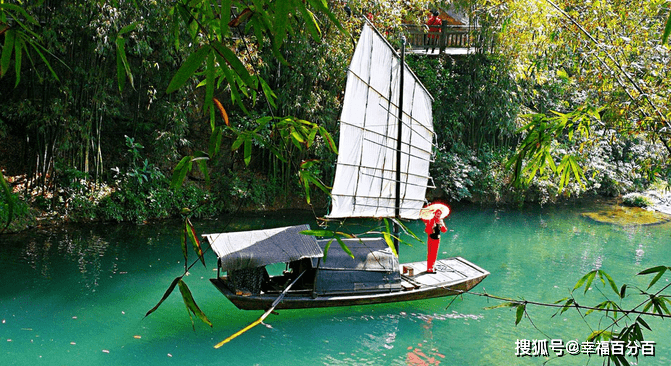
(68, 255)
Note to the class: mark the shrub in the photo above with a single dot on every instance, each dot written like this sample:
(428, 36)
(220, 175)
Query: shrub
(636, 200)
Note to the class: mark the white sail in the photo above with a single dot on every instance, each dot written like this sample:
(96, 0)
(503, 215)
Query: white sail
(365, 179)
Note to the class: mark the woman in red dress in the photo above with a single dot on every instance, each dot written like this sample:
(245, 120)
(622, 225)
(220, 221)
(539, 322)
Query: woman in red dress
(434, 227)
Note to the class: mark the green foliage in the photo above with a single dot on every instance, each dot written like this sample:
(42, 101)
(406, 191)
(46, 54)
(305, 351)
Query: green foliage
(636, 200)
(475, 100)
(572, 57)
(15, 214)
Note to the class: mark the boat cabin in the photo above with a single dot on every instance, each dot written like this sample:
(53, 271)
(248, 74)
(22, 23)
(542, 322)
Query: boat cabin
(372, 267)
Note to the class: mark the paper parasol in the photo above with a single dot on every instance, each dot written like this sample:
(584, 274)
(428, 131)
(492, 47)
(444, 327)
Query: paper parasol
(428, 212)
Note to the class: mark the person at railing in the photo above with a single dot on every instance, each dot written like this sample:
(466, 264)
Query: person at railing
(434, 24)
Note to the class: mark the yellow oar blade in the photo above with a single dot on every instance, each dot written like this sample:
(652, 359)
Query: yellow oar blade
(258, 321)
(240, 332)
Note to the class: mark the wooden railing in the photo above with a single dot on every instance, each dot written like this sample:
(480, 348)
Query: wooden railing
(457, 36)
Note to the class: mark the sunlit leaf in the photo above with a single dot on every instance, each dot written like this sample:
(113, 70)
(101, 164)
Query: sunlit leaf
(388, 237)
(344, 247)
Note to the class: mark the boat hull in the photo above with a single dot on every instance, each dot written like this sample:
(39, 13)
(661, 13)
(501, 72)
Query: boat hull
(453, 276)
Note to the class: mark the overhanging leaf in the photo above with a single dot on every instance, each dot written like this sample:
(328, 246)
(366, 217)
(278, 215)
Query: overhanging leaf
(165, 295)
(191, 232)
(191, 303)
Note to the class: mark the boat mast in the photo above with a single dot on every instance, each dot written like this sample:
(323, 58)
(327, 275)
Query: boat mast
(397, 213)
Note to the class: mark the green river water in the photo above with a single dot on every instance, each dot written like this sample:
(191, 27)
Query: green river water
(77, 295)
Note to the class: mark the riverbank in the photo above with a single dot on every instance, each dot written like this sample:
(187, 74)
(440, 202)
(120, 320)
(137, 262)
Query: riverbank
(28, 217)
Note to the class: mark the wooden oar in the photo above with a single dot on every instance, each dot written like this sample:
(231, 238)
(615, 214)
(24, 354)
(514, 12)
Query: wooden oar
(259, 320)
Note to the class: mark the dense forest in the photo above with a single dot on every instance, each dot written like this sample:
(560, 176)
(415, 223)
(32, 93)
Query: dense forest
(132, 110)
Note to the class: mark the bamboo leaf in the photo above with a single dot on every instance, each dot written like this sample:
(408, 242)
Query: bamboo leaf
(511, 304)
(590, 278)
(222, 111)
(238, 141)
(180, 171)
(208, 104)
(270, 95)
(165, 295)
(586, 279)
(201, 158)
(520, 313)
(311, 23)
(224, 18)
(7, 49)
(660, 270)
(236, 98)
(610, 281)
(248, 151)
(24, 13)
(322, 6)
(344, 247)
(388, 238)
(641, 321)
(322, 233)
(326, 248)
(185, 251)
(192, 63)
(234, 62)
(653, 270)
(304, 176)
(19, 47)
(327, 136)
(667, 29)
(215, 142)
(191, 231)
(37, 47)
(191, 303)
(282, 20)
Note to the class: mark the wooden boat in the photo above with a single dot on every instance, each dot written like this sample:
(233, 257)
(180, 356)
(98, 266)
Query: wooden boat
(373, 276)
(385, 149)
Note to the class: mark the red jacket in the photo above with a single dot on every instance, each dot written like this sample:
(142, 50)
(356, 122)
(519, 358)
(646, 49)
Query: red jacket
(434, 24)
